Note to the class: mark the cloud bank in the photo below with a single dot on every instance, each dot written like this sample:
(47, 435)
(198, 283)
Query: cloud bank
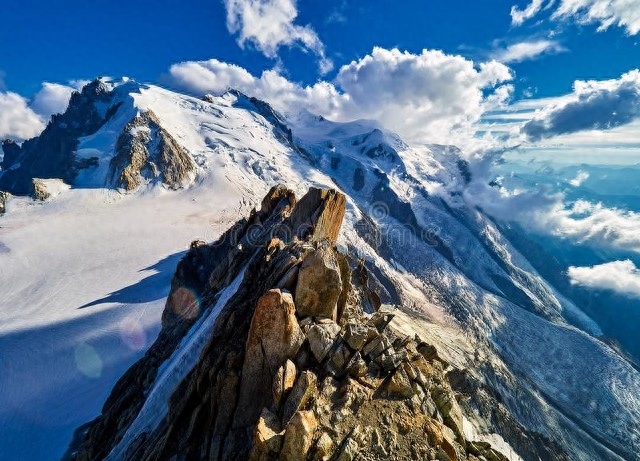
(620, 276)
(603, 13)
(269, 24)
(423, 97)
(593, 105)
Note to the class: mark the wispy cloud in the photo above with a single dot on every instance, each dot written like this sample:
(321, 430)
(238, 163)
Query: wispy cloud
(528, 50)
(620, 276)
(604, 13)
(518, 16)
(269, 24)
(580, 178)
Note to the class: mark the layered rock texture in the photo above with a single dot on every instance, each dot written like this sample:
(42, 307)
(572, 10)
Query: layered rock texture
(146, 151)
(293, 368)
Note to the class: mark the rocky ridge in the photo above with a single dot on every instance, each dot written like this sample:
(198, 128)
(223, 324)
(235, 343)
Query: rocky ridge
(145, 150)
(294, 367)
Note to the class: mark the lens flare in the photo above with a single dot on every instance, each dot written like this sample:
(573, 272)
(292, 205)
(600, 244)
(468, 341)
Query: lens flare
(132, 334)
(185, 303)
(88, 361)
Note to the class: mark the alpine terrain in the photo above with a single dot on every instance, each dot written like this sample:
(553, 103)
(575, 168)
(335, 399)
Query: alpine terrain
(339, 298)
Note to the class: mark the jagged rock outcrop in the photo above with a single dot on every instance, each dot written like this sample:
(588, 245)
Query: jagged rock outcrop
(4, 198)
(40, 191)
(146, 151)
(275, 379)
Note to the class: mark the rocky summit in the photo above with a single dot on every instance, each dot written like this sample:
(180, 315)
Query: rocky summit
(295, 364)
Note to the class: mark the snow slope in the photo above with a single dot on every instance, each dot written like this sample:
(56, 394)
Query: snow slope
(85, 274)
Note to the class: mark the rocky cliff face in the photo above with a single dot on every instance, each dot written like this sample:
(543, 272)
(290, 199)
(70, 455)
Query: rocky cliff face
(51, 154)
(291, 367)
(146, 151)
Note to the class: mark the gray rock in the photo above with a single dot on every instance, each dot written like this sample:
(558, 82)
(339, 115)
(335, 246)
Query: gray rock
(356, 335)
(321, 337)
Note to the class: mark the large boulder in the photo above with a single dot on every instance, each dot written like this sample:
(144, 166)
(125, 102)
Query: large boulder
(299, 436)
(267, 437)
(274, 336)
(319, 284)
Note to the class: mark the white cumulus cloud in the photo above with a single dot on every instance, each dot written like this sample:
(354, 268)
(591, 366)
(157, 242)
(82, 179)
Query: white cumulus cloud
(423, 97)
(22, 119)
(595, 224)
(17, 119)
(620, 276)
(269, 24)
(52, 98)
(524, 51)
(604, 13)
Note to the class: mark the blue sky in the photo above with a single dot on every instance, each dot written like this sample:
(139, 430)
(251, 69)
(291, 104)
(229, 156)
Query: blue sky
(74, 39)
(432, 71)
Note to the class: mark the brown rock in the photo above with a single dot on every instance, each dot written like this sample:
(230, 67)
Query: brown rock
(380, 320)
(324, 448)
(267, 437)
(399, 385)
(145, 150)
(303, 391)
(339, 359)
(319, 213)
(273, 197)
(319, 284)
(356, 335)
(349, 451)
(298, 437)
(448, 408)
(283, 381)
(357, 367)
(40, 191)
(274, 336)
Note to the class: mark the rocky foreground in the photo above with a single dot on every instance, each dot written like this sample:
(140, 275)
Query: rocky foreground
(301, 362)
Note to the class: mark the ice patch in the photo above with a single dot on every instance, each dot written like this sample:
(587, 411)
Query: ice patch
(173, 371)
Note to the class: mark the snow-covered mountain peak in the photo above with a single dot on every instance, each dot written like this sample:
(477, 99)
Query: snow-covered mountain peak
(208, 161)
